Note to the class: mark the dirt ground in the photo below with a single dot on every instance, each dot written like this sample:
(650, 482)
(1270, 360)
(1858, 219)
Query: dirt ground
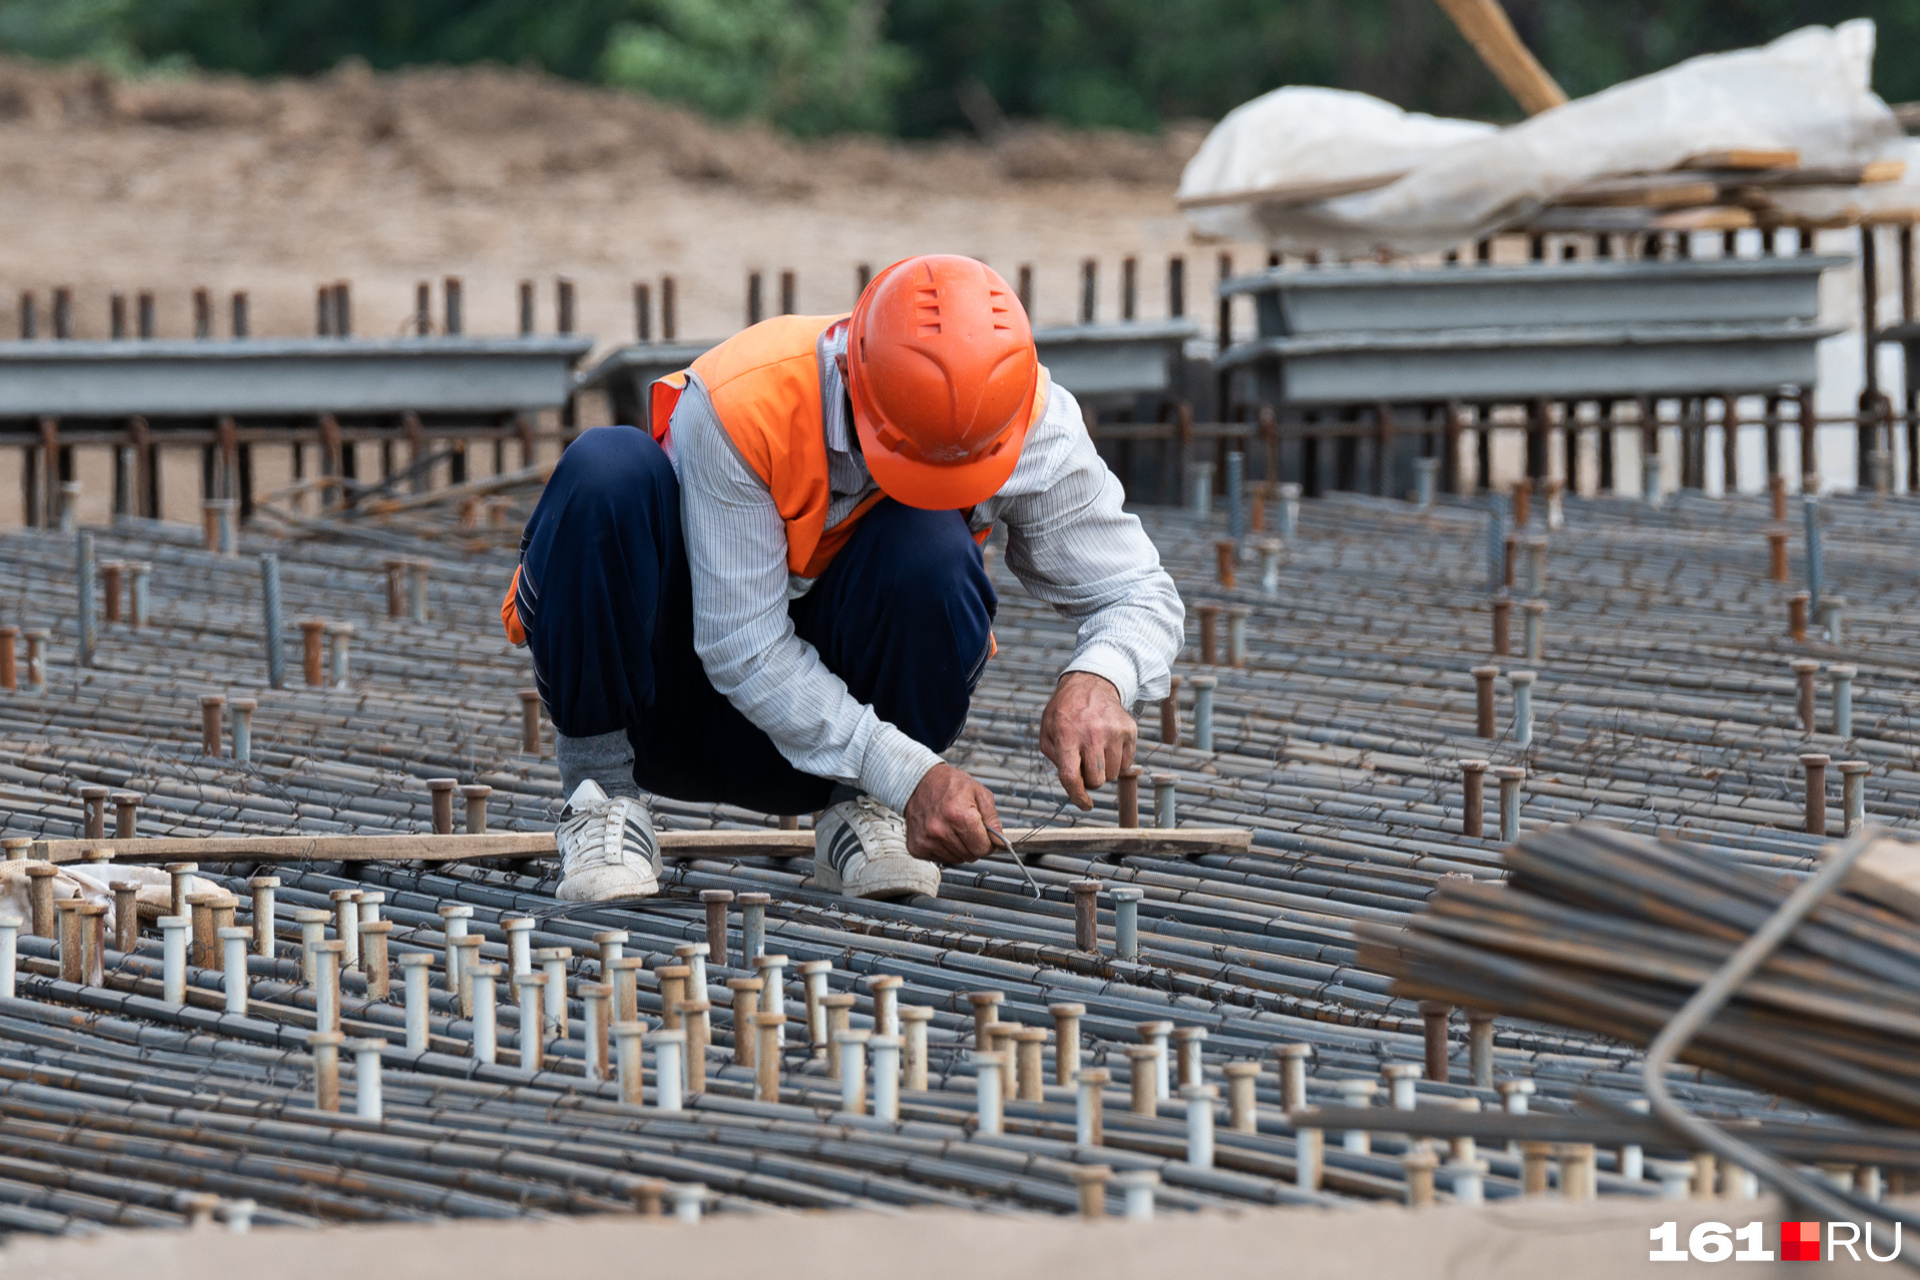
(498, 175)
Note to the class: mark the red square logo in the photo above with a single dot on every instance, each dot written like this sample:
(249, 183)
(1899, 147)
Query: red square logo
(1800, 1242)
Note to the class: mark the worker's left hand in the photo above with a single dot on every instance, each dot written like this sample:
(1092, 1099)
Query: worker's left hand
(1087, 734)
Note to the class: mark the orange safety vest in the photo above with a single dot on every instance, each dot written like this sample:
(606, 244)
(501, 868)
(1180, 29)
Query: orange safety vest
(765, 386)
(764, 383)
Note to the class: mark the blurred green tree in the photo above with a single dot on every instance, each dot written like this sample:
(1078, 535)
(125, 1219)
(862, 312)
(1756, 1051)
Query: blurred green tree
(97, 30)
(925, 67)
(812, 66)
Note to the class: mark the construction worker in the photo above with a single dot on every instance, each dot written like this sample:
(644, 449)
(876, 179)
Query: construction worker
(777, 600)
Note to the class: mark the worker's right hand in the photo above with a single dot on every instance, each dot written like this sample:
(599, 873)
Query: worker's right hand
(948, 816)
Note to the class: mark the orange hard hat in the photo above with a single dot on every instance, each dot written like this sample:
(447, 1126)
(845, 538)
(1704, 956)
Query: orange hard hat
(943, 377)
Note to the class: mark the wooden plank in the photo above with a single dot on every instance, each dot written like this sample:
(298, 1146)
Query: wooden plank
(1714, 218)
(1617, 220)
(1900, 216)
(1845, 175)
(1646, 190)
(1688, 188)
(1488, 29)
(1134, 841)
(1743, 158)
(1873, 171)
(1887, 873)
(1293, 193)
(370, 848)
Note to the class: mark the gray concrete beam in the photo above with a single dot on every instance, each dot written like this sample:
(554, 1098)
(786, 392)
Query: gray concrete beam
(286, 376)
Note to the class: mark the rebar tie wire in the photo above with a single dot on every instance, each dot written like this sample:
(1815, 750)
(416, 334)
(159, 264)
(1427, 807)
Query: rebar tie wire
(1708, 1000)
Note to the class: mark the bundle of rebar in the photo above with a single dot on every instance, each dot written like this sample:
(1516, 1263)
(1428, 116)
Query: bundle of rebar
(1611, 933)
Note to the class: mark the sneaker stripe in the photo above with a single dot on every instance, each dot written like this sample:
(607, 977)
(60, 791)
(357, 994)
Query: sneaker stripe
(637, 839)
(840, 850)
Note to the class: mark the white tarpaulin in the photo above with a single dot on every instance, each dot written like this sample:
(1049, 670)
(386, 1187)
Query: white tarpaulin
(91, 882)
(1306, 137)
(1808, 91)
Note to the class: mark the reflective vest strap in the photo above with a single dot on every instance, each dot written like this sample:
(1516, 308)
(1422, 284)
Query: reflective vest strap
(662, 396)
(509, 615)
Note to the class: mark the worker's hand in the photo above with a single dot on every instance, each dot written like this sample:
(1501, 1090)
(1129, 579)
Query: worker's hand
(948, 817)
(1087, 734)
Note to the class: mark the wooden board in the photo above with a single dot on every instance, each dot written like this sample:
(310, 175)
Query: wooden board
(1488, 29)
(1744, 158)
(1293, 193)
(1850, 175)
(1651, 190)
(1887, 873)
(1619, 220)
(1716, 218)
(207, 850)
(1698, 190)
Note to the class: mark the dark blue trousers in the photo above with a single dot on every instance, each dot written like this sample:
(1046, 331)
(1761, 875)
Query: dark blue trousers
(902, 615)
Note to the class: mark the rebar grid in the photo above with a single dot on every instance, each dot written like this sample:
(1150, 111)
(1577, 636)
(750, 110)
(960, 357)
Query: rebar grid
(1663, 704)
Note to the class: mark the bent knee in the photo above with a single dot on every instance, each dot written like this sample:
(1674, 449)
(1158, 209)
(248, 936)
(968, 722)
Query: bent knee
(935, 573)
(929, 554)
(611, 462)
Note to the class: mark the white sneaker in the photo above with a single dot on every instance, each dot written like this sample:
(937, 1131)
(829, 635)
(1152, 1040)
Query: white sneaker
(860, 849)
(607, 849)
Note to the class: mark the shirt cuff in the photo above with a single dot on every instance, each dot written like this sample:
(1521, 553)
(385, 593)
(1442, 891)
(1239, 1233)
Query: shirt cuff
(893, 767)
(1111, 663)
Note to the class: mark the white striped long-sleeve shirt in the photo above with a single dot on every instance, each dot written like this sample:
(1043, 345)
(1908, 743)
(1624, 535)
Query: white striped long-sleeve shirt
(1069, 542)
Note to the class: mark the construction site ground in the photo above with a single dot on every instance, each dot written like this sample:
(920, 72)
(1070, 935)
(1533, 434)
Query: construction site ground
(1516, 1241)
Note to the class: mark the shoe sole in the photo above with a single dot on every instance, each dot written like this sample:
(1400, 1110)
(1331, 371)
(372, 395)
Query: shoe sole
(903, 882)
(603, 884)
